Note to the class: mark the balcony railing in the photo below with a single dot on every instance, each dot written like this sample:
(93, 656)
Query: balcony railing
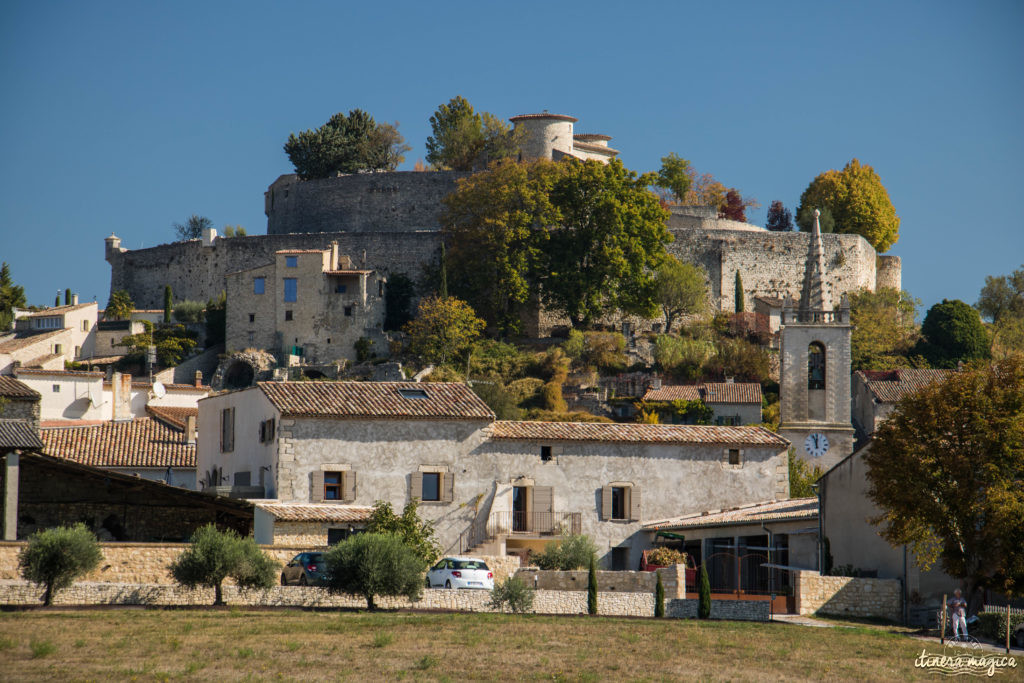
(543, 523)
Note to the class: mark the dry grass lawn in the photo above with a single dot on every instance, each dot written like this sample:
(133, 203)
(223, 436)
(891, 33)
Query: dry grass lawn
(156, 644)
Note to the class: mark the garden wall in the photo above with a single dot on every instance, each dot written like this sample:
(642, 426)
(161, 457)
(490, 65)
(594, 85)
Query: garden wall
(673, 580)
(847, 596)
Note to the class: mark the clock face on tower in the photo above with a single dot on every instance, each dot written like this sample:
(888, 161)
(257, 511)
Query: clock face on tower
(816, 444)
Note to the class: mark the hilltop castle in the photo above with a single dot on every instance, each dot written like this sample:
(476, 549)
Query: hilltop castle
(389, 222)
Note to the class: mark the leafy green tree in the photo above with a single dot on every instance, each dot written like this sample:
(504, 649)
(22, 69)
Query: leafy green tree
(676, 176)
(610, 241)
(11, 296)
(659, 597)
(120, 306)
(805, 219)
(1002, 297)
(173, 344)
(498, 399)
(462, 140)
(780, 219)
(592, 587)
(346, 144)
(512, 592)
(740, 303)
(945, 469)
(214, 555)
(443, 329)
(168, 304)
(496, 225)
(54, 558)
(683, 358)
(801, 476)
(704, 594)
(858, 201)
(192, 228)
(189, 311)
(575, 551)
(372, 564)
(884, 328)
(398, 301)
(952, 332)
(680, 289)
(415, 532)
(741, 359)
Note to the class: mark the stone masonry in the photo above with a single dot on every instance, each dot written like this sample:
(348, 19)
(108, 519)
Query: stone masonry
(846, 596)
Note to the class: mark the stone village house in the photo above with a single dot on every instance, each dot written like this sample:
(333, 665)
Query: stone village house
(509, 486)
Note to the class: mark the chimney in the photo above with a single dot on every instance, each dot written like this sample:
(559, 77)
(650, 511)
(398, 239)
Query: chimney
(656, 383)
(121, 385)
(729, 380)
(334, 256)
(190, 430)
(198, 379)
(74, 299)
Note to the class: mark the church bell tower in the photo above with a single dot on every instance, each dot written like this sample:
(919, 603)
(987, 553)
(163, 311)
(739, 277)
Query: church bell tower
(815, 368)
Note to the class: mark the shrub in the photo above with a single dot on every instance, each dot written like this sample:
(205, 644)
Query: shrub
(416, 533)
(659, 597)
(498, 360)
(683, 358)
(54, 558)
(666, 556)
(364, 349)
(514, 593)
(575, 552)
(704, 603)
(992, 625)
(498, 399)
(189, 311)
(372, 564)
(214, 555)
(592, 587)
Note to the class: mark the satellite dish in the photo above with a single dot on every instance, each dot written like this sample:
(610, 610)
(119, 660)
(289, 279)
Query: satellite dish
(96, 395)
(159, 390)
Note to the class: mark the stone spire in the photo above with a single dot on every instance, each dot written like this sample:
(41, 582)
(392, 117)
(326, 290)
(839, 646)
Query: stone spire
(812, 297)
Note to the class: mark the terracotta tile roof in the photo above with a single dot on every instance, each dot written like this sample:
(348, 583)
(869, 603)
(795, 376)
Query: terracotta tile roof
(142, 442)
(545, 115)
(636, 433)
(889, 386)
(590, 136)
(443, 400)
(21, 340)
(774, 511)
(771, 300)
(18, 434)
(300, 251)
(58, 373)
(57, 310)
(173, 416)
(287, 512)
(40, 361)
(709, 392)
(69, 423)
(12, 388)
(579, 144)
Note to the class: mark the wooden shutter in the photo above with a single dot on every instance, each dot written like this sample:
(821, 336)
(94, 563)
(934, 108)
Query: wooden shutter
(447, 487)
(606, 502)
(543, 507)
(634, 503)
(416, 485)
(316, 487)
(348, 491)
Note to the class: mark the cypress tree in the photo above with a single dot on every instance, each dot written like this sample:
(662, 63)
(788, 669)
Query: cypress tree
(443, 289)
(168, 304)
(67, 296)
(740, 304)
(56, 301)
(704, 605)
(659, 597)
(592, 588)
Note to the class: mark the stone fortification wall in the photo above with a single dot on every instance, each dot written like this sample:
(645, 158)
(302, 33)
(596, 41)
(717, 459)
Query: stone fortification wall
(846, 596)
(401, 201)
(888, 272)
(197, 272)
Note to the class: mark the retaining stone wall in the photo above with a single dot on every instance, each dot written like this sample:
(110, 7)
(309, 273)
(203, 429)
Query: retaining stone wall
(847, 596)
(734, 610)
(672, 580)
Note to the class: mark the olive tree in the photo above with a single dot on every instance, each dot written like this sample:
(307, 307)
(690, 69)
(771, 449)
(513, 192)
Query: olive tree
(54, 558)
(372, 564)
(214, 555)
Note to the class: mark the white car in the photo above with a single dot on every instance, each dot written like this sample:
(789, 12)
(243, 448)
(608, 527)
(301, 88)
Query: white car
(460, 572)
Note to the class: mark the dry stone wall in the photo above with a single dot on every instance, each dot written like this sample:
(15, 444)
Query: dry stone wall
(847, 596)
(672, 580)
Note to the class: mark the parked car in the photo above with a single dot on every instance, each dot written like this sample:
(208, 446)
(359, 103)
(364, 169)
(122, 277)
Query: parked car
(305, 569)
(460, 572)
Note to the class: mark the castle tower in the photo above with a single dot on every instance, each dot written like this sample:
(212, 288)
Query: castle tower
(545, 134)
(815, 368)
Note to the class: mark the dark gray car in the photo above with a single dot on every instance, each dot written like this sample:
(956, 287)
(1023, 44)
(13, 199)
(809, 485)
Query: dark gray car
(305, 569)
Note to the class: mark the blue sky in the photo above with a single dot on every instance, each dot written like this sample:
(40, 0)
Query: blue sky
(128, 117)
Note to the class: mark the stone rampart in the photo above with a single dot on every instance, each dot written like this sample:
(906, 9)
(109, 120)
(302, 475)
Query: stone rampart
(846, 596)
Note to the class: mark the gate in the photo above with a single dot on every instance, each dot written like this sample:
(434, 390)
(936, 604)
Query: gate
(743, 576)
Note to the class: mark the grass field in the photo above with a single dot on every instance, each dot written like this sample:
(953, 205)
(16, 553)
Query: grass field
(152, 644)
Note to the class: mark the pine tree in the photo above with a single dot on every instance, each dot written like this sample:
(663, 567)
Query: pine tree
(740, 304)
(168, 304)
(659, 597)
(704, 604)
(592, 588)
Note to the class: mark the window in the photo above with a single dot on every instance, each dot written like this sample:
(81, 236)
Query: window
(252, 317)
(620, 559)
(333, 484)
(259, 285)
(227, 430)
(252, 339)
(288, 316)
(620, 501)
(52, 323)
(412, 393)
(267, 430)
(545, 453)
(734, 456)
(816, 366)
(340, 289)
(291, 261)
(436, 486)
(56, 388)
(380, 288)
(78, 351)
(348, 311)
(291, 289)
(58, 349)
(727, 420)
(338, 535)
(85, 326)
